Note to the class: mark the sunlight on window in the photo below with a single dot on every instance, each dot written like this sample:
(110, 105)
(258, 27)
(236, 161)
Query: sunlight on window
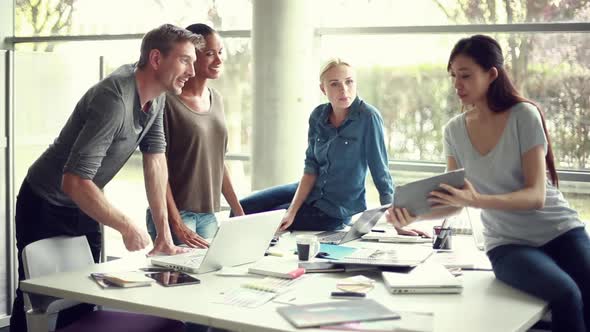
(403, 75)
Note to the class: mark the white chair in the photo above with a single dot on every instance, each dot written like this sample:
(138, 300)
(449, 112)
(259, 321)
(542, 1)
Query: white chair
(61, 254)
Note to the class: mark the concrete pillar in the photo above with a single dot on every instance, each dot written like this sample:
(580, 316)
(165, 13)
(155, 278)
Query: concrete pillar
(285, 86)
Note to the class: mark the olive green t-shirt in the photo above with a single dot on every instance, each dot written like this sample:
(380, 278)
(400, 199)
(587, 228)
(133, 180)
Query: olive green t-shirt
(196, 147)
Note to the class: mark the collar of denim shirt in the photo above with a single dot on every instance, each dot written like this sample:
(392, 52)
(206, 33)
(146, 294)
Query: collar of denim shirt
(353, 112)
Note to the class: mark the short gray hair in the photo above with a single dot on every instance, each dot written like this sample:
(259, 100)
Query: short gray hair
(163, 39)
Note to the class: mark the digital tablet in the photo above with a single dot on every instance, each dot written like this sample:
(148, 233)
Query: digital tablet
(173, 278)
(414, 195)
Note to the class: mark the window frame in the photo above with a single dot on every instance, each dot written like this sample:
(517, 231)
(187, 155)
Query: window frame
(394, 164)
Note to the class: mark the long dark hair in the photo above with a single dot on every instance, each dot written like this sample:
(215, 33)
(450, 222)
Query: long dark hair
(201, 29)
(501, 94)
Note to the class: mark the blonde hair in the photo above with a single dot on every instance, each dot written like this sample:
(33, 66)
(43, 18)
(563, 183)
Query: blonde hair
(333, 62)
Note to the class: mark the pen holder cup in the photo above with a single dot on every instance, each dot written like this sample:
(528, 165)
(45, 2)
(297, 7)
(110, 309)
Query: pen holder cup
(307, 246)
(442, 238)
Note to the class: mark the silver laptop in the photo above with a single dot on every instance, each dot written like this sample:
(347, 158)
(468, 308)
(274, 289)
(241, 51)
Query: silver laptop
(424, 279)
(361, 226)
(239, 240)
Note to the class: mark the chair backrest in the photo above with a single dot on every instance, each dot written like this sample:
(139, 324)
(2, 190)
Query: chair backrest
(56, 254)
(48, 256)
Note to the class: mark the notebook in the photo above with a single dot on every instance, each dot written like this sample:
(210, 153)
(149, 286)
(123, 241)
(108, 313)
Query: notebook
(426, 278)
(361, 226)
(414, 195)
(327, 267)
(334, 252)
(391, 236)
(121, 279)
(269, 284)
(399, 256)
(238, 241)
(277, 268)
(329, 313)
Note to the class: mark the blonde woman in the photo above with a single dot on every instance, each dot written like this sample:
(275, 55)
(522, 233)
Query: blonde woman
(345, 139)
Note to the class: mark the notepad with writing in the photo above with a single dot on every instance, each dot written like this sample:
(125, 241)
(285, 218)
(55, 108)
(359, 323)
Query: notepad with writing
(269, 284)
(329, 313)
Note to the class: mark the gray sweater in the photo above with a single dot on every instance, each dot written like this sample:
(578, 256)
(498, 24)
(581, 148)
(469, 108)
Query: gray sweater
(100, 135)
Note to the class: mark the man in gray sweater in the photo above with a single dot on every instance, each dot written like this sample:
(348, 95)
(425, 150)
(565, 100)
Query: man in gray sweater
(62, 192)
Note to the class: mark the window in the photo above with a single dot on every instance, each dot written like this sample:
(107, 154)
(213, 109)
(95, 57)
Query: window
(399, 48)
(416, 13)
(75, 64)
(89, 17)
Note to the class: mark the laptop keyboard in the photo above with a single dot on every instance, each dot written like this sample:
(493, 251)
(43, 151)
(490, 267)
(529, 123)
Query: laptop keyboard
(331, 236)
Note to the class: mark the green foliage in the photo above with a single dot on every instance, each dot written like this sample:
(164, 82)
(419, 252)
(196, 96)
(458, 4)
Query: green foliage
(415, 103)
(44, 17)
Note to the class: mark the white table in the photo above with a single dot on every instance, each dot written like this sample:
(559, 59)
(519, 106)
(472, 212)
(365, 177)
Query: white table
(485, 304)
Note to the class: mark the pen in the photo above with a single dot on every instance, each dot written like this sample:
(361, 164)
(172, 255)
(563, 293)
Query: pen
(378, 230)
(444, 223)
(156, 269)
(348, 294)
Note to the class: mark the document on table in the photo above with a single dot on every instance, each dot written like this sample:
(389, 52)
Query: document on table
(244, 297)
(253, 294)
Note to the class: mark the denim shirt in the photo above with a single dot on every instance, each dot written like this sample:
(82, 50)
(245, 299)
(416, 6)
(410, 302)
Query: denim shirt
(339, 157)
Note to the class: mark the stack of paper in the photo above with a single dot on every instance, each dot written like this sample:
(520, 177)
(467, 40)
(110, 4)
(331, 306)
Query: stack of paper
(392, 237)
(279, 269)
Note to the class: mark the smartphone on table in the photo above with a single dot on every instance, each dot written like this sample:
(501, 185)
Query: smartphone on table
(173, 278)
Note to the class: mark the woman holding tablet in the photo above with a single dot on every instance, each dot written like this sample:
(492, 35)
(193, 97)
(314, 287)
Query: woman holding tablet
(535, 241)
